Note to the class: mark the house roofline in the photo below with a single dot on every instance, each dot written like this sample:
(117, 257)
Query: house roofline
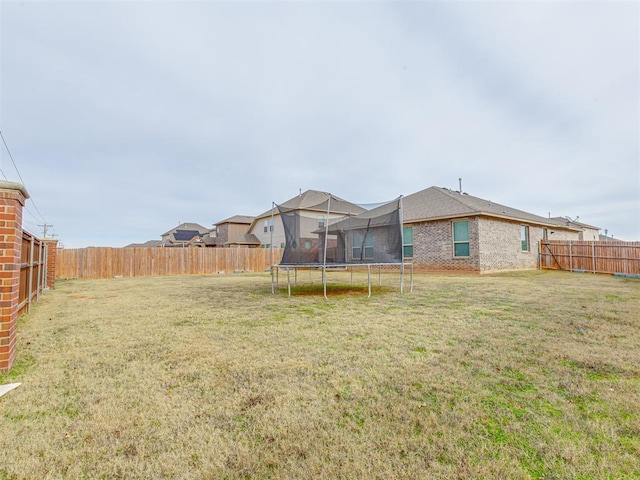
(493, 215)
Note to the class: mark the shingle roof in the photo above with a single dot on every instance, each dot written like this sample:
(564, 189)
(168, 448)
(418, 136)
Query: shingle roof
(565, 221)
(149, 243)
(315, 200)
(436, 203)
(188, 226)
(244, 219)
(248, 239)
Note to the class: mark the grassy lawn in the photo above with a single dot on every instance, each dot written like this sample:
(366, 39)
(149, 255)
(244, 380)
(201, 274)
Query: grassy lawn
(527, 375)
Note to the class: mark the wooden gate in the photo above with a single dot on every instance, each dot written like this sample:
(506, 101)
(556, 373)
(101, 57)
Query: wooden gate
(33, 271)
(618, 258)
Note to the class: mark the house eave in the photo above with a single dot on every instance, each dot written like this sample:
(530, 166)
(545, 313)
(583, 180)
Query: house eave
(493, 215)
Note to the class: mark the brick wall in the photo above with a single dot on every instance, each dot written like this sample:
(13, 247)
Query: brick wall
(494, 245)
(12, 198)
(223, 233)
(433, 247)
(501, 246)
(52, 253)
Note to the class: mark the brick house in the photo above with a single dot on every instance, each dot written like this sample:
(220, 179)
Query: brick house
(183, 235)
(311, 207)
(445, 230)
(235, 231)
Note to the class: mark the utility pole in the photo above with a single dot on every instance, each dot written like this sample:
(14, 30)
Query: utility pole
(45, 227)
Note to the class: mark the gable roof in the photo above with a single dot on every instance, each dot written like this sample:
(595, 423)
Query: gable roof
(149, 243)
(315, 200)
(436, 203)
(566, 221)
(242, 219)
(247, 239)
(187, 226)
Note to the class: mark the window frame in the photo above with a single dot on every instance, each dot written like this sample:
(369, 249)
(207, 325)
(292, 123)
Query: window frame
(369, 253)
(407, 245)
(525, 243)
(460, 242)
(368, 249)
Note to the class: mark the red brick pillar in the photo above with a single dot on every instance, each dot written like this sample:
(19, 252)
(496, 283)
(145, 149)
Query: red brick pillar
(52, 252)
(12, 198)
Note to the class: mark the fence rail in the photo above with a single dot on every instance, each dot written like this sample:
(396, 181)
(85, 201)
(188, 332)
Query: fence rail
(590, 256)
(33, 270)
(93, 263)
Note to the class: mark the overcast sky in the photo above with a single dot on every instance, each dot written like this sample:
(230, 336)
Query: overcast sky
(127, 118)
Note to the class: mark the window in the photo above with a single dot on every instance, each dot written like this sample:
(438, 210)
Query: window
(407, 241)
(356, 243)
(266, 226)
(524, 238)
(321, 221)
(307, 244)
(368, 246)
(461, 239)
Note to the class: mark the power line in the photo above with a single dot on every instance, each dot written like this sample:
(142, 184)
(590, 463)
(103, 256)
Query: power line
(11, 157)
(20, 177)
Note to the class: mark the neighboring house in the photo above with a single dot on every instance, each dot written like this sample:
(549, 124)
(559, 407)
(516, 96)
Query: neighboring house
(310, 207)
(447, 230)
(234, 230)
(148, 244)
(183, 235)
(373, 236)
(247, 240)
(589, 232)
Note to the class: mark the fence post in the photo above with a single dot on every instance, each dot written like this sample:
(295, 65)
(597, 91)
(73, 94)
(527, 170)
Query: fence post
(12, 199)
(50, 264)
(570, 258)
(32, 250)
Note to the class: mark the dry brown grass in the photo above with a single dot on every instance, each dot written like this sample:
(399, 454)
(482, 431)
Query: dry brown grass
(529, 375)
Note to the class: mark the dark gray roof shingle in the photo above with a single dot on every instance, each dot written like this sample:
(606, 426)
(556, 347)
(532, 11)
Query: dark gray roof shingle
(436, 203)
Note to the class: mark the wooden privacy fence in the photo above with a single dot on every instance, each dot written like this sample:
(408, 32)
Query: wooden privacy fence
(137, 262)
(33, 270)
(590, 256)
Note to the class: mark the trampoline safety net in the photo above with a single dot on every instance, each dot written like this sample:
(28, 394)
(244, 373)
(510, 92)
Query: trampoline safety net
(326, 235)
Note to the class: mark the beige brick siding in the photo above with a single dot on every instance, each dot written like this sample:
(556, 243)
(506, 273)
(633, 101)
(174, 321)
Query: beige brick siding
(433, 247)
(501, 247)
(494, 245)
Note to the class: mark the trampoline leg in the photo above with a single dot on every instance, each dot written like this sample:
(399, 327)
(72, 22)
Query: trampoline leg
(288, 281)
(369, 279)
(411, 278)
(324, 281)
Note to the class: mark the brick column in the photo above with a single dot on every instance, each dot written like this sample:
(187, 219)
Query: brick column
(12, 198)
(52, 252)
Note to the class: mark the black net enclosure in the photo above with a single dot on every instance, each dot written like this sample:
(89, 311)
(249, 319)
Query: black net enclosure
(329, 234)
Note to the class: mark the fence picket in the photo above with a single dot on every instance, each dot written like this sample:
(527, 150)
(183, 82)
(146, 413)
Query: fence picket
(93, 263)
(589, 256)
